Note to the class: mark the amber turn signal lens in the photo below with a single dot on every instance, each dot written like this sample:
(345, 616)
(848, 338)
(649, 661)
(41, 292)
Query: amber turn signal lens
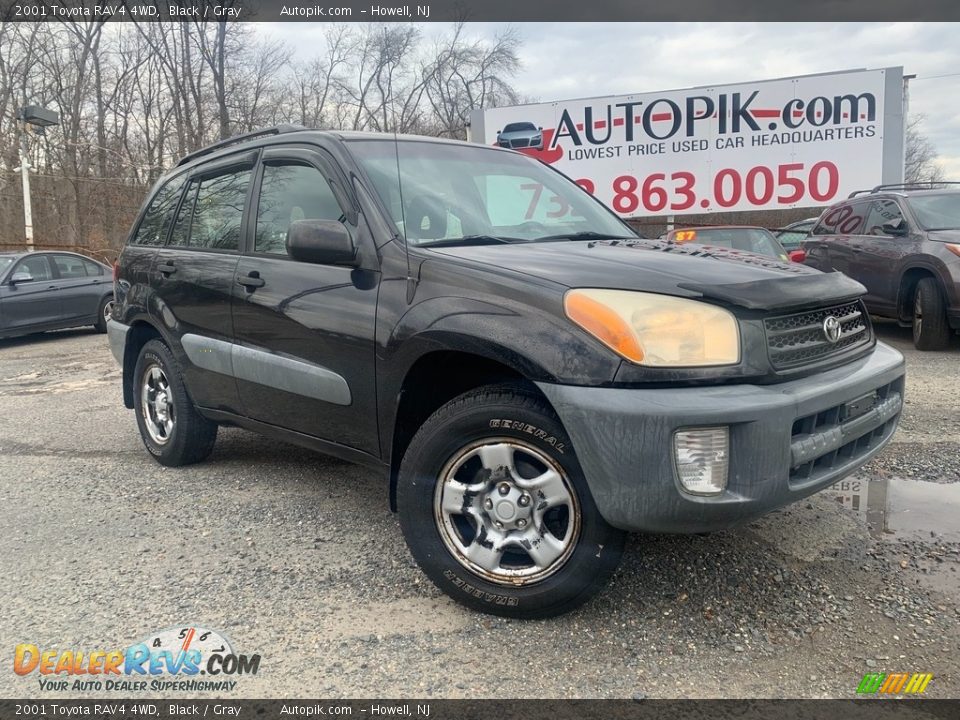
(604, 324)
(955, 249)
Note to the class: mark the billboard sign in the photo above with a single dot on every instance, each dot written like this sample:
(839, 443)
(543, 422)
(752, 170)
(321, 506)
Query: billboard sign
(793, 142)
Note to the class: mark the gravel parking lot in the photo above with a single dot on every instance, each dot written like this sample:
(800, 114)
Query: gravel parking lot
(297, 557)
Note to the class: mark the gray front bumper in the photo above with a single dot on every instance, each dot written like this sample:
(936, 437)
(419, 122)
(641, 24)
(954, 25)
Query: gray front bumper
(786, 442)
(117, 335)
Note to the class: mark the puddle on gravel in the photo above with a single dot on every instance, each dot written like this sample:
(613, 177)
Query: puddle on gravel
(901, 509)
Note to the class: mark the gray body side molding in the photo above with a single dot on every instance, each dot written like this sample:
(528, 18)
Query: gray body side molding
(265, 368)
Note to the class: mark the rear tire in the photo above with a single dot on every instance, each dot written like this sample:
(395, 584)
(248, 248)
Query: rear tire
(930, 328)
(170, 426)
(103, 313)
(496, 511)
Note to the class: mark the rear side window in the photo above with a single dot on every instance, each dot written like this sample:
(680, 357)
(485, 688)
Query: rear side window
(211, 212)
(843, 220)
(156, 221)
(289, 193)
(70, 267)
(93, 269)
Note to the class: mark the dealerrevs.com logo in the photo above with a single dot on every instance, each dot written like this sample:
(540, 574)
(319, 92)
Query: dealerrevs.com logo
(179, 659)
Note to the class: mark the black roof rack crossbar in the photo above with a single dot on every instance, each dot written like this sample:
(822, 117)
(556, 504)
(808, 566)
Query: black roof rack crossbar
(917, 185)
(276, 130)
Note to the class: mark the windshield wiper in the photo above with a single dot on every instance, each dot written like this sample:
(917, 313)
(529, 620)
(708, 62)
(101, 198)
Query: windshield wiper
(473, 240)
(585, 235)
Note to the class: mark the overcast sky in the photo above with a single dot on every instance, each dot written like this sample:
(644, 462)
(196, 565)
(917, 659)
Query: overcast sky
(570, 60)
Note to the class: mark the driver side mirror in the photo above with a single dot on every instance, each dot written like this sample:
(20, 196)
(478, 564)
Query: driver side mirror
(21, 277)
(896, 229)
(325, 242)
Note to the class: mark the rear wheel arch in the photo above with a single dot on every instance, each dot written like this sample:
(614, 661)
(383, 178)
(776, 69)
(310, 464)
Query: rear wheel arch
(141, 332)
(429, 384)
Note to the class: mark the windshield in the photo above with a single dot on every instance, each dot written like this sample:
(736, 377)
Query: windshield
(518, 127)
(459, 193)
(5, 262)
(755, 240)
(937, 212)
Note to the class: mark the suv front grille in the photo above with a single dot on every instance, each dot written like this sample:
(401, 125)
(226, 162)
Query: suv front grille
(800, 339)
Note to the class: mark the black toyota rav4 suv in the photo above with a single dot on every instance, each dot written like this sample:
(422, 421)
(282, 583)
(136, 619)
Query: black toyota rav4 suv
(532, 379)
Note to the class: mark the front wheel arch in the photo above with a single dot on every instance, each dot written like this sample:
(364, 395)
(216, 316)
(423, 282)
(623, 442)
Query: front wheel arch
(428, 385)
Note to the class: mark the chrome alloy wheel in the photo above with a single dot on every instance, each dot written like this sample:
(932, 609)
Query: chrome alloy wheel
(506, 511)
(156, 402)
(107, 311)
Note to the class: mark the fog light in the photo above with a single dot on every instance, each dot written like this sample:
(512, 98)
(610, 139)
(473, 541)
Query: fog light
(702, 456)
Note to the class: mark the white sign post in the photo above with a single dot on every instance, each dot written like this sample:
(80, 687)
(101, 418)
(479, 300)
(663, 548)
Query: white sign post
(793, 142)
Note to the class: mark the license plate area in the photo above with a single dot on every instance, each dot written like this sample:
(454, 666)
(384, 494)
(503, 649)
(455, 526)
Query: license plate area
(858, 406)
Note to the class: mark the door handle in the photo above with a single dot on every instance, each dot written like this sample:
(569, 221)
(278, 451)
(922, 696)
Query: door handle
(167, 268)
(251, 281)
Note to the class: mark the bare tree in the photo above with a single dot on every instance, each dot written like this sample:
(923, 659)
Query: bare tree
(317, 81)
(920, 158)
(470, 74)
(135, 96)
(386, 90)
(257, 87)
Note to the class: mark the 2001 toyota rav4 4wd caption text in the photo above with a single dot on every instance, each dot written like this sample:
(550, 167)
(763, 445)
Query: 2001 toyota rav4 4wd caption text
(532, 378)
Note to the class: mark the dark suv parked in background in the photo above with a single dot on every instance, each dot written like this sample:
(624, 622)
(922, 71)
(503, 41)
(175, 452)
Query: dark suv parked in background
(903, 243)
(531, 378)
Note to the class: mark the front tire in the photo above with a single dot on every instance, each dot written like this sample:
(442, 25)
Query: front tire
(930, 328)
(171, 428)
(495, 509)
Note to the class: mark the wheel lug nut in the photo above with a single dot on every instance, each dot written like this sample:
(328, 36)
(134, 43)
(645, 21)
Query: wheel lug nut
(521, 523)
(503, 488)
(488, 504)
(523, 500)
(499, 524)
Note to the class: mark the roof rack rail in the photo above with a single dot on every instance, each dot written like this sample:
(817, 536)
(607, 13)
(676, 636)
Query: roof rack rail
(919, 184)
(916, 184)
(276, 130)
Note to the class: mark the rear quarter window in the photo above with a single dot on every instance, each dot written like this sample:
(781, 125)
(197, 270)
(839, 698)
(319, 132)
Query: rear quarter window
(156, 220)
(846, 219)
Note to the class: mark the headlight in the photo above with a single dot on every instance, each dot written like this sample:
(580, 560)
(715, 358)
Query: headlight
(656, 330)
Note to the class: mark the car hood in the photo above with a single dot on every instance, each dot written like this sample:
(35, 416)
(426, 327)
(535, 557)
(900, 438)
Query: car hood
(946, 236)
(518, 134)
(688, 270)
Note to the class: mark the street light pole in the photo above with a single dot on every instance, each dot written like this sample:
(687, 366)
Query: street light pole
(40, 118)
(25, 180)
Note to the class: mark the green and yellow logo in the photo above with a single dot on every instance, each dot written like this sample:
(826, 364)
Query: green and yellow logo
(894, 683)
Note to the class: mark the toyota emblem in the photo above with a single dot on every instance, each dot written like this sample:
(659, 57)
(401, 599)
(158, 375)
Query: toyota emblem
(831, 329)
